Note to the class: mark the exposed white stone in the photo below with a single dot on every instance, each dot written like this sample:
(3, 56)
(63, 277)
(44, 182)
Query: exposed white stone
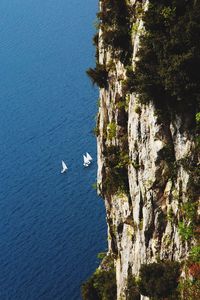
(152, 190)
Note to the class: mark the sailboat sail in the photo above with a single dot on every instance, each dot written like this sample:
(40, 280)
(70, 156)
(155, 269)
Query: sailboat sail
(64, 167)
(86, 161)
(89, 157)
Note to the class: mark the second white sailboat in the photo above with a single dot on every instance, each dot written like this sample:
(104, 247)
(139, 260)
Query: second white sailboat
(86, 161)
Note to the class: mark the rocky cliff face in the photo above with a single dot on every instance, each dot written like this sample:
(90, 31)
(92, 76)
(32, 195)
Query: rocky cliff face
(145, 170)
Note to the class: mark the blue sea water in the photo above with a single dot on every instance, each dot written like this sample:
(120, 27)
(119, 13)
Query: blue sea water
(51, 226)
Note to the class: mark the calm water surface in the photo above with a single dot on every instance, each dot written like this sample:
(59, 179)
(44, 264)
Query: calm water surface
(51, 225)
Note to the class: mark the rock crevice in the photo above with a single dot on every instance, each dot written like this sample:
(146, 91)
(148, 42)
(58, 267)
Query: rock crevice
(141, 168)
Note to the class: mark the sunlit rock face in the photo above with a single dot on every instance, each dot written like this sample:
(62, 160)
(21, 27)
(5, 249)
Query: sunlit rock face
(143, 222)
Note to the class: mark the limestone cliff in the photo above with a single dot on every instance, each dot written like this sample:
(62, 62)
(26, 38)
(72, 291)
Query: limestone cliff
(147, 164)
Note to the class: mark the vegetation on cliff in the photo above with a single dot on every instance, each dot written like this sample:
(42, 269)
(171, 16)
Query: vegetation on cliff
(166, 74)
(114, 20)
(115, 23)
(159, 280)
(167, 71)
(102, 284)
(116, 171)
(98, 75)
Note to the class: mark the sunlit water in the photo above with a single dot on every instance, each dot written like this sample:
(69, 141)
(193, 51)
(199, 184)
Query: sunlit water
(51, 225)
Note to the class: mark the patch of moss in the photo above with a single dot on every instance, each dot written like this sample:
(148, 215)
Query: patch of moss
(186, 230)
(111, 128)
(102, 284)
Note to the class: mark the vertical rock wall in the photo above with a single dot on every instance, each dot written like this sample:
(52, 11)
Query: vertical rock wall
(143, 221)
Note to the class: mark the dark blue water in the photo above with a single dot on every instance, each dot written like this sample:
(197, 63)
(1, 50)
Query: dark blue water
(51, 225)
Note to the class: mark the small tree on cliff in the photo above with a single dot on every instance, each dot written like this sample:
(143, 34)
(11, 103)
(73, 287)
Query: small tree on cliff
(159, 280)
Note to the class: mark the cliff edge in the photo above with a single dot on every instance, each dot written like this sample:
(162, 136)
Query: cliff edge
(148, 142)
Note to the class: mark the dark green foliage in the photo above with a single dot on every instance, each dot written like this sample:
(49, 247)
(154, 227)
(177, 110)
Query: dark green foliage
(114, 12)
(102, 284)
(159, 280)
(98, 75)
(116, 29)
(116, 170)
(116, 33)
(88, 291)
(118, 40)
(132, 289)
(167, 153)
(96, 131)
(168, 69)
(96, 44)
(128, 86)
(96, 39)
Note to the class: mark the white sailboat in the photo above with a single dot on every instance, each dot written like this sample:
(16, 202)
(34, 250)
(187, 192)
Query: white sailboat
(89, 157)
(86, 161)
(64, 167)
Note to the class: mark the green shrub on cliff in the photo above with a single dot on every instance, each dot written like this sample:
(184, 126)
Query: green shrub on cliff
(116, 170)
(159, 280)
(132, 288)
(111, 128)
(128, 84)
(195, 254)
(185, 230)
(167, 71)
(102, 284)
(98, 75)
(116, 27)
